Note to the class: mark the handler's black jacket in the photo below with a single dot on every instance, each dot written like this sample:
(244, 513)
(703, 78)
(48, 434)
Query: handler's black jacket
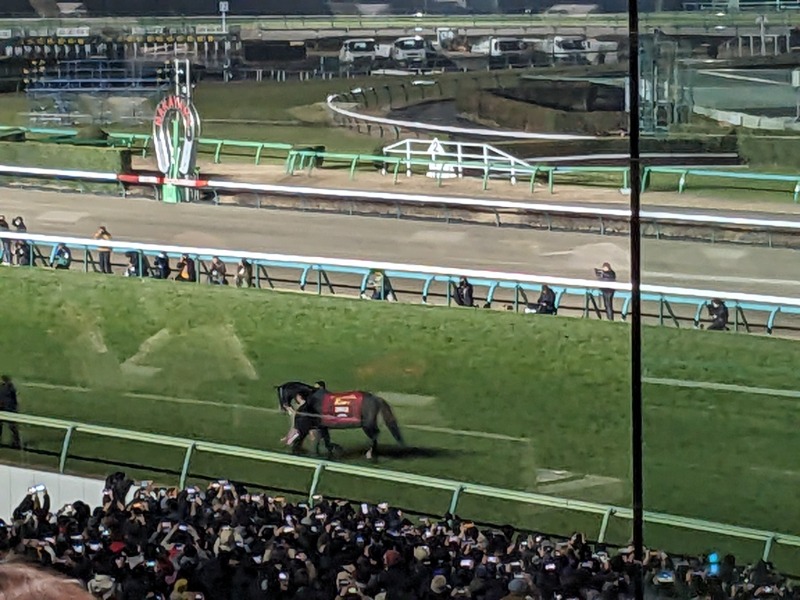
(8, 397)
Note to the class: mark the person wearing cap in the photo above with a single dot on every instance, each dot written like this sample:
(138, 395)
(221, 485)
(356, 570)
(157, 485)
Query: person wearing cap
(103, 253)
(161, 268)
(439, 589)
(8, 403)
(606, 273)
(517, 588)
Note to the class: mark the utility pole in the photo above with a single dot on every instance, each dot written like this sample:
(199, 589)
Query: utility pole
(224, 6)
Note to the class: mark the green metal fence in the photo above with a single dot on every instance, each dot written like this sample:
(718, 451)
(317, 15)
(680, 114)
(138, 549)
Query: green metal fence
(457, 489)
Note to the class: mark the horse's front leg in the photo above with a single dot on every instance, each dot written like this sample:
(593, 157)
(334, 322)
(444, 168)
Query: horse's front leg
(297, 444)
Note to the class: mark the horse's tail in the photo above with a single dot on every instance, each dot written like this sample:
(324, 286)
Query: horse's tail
(391, 421)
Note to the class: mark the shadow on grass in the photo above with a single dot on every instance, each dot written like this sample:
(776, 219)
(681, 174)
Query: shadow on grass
(396, 452)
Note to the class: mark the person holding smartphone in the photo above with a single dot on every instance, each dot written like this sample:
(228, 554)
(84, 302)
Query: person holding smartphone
(606, 273)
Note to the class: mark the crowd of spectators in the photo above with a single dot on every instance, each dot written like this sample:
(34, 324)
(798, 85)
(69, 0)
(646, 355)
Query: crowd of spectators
(226, 542)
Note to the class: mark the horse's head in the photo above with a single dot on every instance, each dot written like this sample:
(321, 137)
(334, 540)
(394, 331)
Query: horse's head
(287, 393)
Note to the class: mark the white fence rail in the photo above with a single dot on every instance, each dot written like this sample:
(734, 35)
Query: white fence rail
(322, 262)
(468, 156)
(233, 187)
(474, 132)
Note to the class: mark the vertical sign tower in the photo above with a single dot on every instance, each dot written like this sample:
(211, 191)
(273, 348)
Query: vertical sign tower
(176, 129)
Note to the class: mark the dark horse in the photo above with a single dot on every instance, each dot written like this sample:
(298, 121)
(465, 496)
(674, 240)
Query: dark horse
(312, 415)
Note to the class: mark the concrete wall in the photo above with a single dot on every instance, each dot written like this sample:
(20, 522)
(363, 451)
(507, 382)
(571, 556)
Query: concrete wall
(63, 489)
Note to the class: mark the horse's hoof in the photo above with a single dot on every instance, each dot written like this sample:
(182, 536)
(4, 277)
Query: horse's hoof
(369, 455)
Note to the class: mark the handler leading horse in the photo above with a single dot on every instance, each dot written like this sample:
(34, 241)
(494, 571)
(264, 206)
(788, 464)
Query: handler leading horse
(324, 410)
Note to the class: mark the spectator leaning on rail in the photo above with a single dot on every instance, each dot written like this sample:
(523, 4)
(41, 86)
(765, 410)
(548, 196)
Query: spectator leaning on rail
(186, 269)
(244, 274)
(606, 273)
(217, 272)
(719, 315)
(161, 268)
(462, 293)
(61, 257)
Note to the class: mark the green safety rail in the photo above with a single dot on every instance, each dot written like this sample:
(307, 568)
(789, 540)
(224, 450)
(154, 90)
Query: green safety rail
(457, 488)
(685, 172)
(142, 142)
(309, 159)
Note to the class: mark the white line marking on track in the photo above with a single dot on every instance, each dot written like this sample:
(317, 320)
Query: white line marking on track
(196, 402)
(725, 387)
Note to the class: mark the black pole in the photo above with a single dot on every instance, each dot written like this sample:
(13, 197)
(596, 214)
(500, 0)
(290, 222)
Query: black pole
(636, 304)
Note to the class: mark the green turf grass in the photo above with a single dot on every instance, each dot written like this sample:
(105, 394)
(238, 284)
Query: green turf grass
(560, 382)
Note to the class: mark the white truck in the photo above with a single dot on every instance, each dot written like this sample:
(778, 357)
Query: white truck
(506, 50)
(358, 53)
(580, 50)
(414, 50)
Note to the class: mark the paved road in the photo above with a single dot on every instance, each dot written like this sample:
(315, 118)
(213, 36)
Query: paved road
(722, 267)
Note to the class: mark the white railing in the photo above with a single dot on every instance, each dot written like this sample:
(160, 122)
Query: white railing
(663, 217)
(468, 156)
(323, 263)
(415, 125)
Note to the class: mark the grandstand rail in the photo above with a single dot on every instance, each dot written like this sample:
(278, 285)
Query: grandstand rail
(457, 488)
(321, 273)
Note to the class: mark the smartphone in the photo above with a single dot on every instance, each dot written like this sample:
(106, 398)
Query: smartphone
(283, 576)
(364, 508)
(467, 563)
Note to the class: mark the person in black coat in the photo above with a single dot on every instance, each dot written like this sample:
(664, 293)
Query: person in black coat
(719, 315)
(546, 304)
(463, 293)
(606, 273)
(8, 403)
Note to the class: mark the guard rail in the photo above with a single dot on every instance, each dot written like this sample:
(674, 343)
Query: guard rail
(655, 221)
(685, 172)
(318, 271)
(142, 143)
(457, 488)
(333, 99)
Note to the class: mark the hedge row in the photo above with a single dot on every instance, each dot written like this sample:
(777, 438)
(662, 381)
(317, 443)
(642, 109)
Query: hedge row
(526, 116)
(769, 151)
(65, 156)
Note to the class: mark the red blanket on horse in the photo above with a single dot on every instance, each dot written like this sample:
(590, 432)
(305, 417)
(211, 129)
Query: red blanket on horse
(342, 410)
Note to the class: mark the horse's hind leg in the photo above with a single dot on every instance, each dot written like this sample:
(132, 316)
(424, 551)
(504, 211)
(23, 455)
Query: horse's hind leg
(372, 434)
